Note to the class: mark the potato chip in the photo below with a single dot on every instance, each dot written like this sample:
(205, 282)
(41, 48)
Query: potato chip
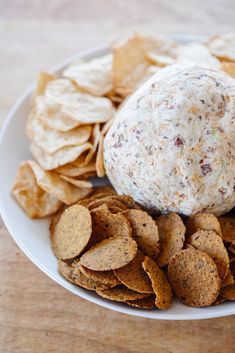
(70, 170)
(50, 140)
(227, 225)
(131, 62)
(171, 231)
(107, 126)
(133, 276)
(42, 82)
(144, 231)
(53, 184)
(106, 277)
(160, 60)
(120, 294)
(78, 183)
(202, 221)
(229, 68)
(110, 254)
(223, 47)
(228, 280)
(96, 134)
(144, 303)
(160, 284)
(194, 277)
(198, 54)
(34, 200)
(58, 158)
(211, 243)
(109, 225)
(60, 88)
(100, 170)
(228, 292)
(94, 77)
(72, 232)
(73, 110)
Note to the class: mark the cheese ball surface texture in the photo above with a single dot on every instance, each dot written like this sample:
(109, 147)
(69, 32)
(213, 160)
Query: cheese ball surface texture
(172, 144)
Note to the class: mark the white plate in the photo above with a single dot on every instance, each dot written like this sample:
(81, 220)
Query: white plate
(32, 235)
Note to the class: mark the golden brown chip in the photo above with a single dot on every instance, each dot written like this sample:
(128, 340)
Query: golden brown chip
(203, 221)
(59, 158)
(160, 284)
(42, 81)
(228, 292)
(78, 183)
(106, 277)
(107, 126)
(52, 183)
(72, 232)
(144, 231)
(94, 77)
(68, 111)
(144, 303)
(172, 235)
(120, 294)
(223, 46)
(229, 68)
(133, 276)
(228, 228)
(96, 135)
(211, 243)
(228, 281)
(72, 171)
(34, 200)
(100, 158)
(110, 254)
(50, 140)
(109, 225)
(194, 277)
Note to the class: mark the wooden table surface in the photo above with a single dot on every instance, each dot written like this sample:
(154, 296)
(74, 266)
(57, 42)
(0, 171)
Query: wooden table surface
(36, 314)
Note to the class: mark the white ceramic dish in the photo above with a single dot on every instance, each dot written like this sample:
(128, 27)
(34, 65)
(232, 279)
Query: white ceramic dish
(32, 235)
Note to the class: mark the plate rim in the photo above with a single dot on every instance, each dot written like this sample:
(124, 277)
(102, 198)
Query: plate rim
(157, 315)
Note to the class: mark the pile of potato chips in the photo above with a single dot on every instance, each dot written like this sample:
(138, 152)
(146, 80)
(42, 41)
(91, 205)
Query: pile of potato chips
(71, 114)
(108, 244)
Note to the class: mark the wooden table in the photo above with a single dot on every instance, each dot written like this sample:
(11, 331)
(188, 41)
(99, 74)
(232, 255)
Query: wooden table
(36, 314)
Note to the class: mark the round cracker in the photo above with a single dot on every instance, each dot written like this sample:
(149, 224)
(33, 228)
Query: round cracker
(115, 209)
(228, 228)
(127, 201)
(203, 221)
(228, 281)
(160, 284)
(120, 294)
(144, 231)
(143, 303)
(83, 281)
(172, 235)
(105, 224)
(194, 277)
(106, 277)
(212, 244)
(133, 276)
(228, 292)
(110, 254)
(72, 232)
(65, 268)
(109, 201)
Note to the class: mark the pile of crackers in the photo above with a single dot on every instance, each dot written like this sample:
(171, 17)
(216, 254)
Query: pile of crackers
(108, 244)
(71, 114)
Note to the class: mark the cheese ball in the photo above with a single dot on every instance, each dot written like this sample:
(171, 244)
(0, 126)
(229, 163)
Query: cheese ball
(172, 144)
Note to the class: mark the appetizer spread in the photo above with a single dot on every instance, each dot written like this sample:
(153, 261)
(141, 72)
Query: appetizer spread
(157, 118)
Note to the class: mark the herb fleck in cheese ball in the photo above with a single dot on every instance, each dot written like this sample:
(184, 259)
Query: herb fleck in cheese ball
(172, 145)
